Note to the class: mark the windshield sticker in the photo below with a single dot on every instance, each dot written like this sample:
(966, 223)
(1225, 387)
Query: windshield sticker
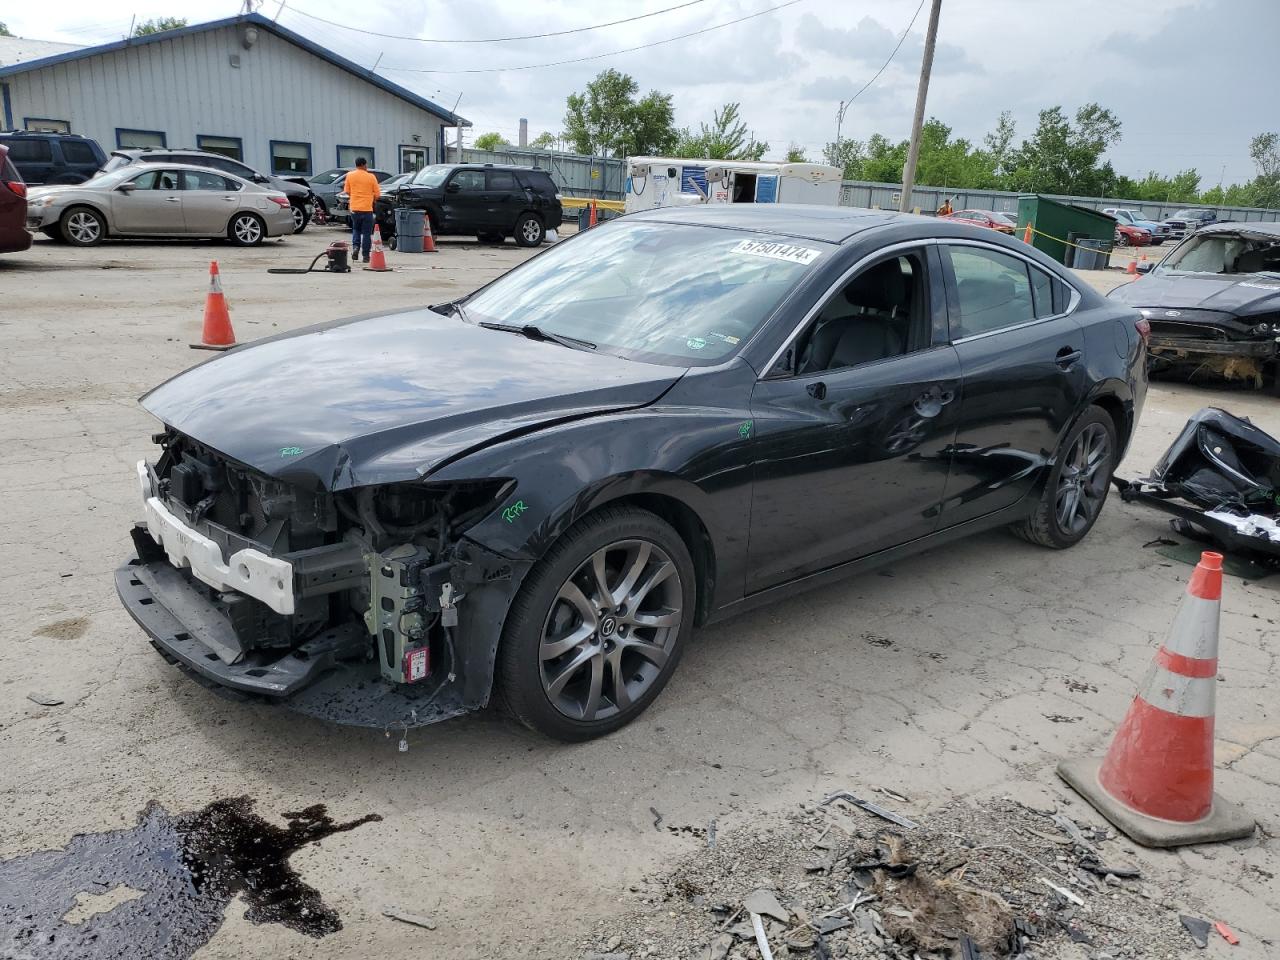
(695, 343)
(778, 251)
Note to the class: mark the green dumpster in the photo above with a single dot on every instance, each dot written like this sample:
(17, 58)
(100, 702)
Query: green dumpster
(1053, 220)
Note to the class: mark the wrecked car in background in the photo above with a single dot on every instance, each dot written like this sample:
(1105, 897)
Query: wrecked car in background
(1214, 303)
(1221, 474)
(660, 422)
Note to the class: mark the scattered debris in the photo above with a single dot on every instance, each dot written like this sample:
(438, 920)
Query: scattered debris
(870, 807)
(1063, 892)
(44, 699)
(1060, 718)
(1107, 869)
(1199, 929)
(761, 940)
(415, 919)
(893, 795)
(657, 818)
(771, 772)
(1226, 933)
(711, 832)
(765, 903)
(1079, 686)
(1160, 542)
(876, 640)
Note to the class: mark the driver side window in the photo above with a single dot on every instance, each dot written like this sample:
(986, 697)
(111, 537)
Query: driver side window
(880, 313)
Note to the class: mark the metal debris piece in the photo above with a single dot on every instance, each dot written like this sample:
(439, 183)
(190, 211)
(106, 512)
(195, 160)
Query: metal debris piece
(44, 699)
(870, 807)
(1069, 827)
(1226, 933)
(764, 902)
(416, 919)
(1160, 542)
(968, 949)
(832, 924)
(657, 818)
(1063, 892)
(1199, 929)
(893, 795)
(711, 833)
(1113, 869)
(1076, 934)
(761, 940)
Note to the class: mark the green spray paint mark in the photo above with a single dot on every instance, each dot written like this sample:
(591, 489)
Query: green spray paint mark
(290, 451)
(512, 512)
(744, 431)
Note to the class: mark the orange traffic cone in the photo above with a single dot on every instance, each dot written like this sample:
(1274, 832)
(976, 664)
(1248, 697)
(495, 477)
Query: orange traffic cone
(591, 215)
(428, 241)
(377, 258)
(1026, 234)
(217, 334)
(1156, 781)
(1132, 268)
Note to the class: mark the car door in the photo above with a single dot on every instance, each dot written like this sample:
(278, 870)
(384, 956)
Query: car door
(463, 203)
(153, 207)
(208, 201)
(853, 421)
(501, 194)
(1022, 363)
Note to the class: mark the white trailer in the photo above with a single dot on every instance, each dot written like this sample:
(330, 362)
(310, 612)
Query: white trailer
(673, 181)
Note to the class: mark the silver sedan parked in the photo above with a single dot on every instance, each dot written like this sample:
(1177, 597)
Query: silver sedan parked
(160, 200)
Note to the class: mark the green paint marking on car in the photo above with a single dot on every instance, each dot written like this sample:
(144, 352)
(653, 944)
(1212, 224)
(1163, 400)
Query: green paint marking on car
(512, 512)
(290, 451)
(744, 431)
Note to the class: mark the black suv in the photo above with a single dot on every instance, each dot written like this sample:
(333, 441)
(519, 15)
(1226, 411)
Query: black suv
(489, 201)
(301, 199)
(51, 158)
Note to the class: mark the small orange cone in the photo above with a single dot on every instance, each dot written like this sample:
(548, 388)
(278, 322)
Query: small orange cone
(1156, 781)
(591, 215)
(377, 258)
(217, 334)
(428, 241)
(1026, 234)
(1132, 268)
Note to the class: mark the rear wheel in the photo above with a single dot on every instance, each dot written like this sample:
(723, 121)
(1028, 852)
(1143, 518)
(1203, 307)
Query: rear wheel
(300, 218)
(1077, 486)
(529, 230)
(598, 626)
(246, 230)
(83, 227)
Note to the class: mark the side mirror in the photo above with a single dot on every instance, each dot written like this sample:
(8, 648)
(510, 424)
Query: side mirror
(128, 187)
(453, 187)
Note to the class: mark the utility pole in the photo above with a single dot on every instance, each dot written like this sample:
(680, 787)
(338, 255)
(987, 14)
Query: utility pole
(917, 124)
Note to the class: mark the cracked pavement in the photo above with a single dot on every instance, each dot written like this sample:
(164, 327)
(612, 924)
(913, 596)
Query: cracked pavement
(966, 672)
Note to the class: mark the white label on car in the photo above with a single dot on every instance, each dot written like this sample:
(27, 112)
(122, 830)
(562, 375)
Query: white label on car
(778, 251)
(1259, 286)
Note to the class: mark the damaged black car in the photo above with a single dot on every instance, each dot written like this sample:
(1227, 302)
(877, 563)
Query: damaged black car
(541, 488)
(1214, 304)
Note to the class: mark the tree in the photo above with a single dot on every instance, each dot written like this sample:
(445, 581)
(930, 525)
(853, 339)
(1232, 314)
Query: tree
(543, 141)
(4, 30)
(795, 154)
(848, 155)
(999, 144)
(726, 138)
(607, 120)
(159, 25)
(1062, 157)
(490, 141)
(1264, 150)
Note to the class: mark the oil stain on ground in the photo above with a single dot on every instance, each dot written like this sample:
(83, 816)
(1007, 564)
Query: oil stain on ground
(189, 866)
(71, 629)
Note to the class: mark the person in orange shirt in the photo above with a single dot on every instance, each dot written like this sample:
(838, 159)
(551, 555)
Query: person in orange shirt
(362, 188)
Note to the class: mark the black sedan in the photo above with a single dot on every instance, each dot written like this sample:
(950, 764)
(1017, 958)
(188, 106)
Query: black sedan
(1214, 303)
(669, 419)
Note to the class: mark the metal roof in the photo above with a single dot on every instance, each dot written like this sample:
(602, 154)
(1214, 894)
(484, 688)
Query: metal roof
(255, 20)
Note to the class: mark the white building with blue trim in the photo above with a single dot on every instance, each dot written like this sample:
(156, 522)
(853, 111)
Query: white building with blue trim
(243, 86)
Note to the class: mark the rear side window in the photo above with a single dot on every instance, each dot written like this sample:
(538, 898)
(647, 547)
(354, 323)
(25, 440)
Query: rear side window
(204, 180)
(539, 182)
(30, 151)
(993, 289)
(1042, 286)
(77, 151)
(501, 180)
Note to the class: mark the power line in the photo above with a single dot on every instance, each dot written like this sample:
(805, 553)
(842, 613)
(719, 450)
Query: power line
(883, 68)
(531, 36)
(611, 53)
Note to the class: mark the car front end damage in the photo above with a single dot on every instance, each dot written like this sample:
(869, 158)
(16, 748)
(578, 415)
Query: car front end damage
(1235, 347)
(367, 606)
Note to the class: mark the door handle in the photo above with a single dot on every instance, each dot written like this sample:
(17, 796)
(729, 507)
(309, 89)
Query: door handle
(228, 199)
(817, 390)
(172, 199)
(1067, 356)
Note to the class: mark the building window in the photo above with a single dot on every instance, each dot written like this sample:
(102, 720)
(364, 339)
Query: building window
(139, 138)
(232, 147)
(45, 125)
(289, 157)
(347, 155)
(412, 159)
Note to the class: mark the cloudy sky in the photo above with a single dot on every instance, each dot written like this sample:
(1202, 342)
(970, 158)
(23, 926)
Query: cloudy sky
(1189, 79)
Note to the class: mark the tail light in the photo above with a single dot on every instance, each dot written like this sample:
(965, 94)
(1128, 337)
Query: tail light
(279, 201)
(1144, 328)
(17, 186)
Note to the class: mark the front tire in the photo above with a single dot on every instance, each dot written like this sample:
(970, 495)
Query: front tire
(246, 230)
(529, 230)
(1077, 486)
(83, 227)
(598, 626)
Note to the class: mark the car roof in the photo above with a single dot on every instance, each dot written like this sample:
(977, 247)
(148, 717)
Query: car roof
(136, 168)
(492, 166)
(806, 221)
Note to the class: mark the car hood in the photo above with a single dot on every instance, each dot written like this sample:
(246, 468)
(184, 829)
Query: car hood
(61, 191)
(1246, 294)
(389, 398)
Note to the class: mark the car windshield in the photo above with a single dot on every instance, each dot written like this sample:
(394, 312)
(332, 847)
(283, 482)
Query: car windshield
(1223, 253)
(326, 178)
(432, 176)
(652, 291)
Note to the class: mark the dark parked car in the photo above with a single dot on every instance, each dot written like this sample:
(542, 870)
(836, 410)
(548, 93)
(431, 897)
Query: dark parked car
(14, 236)
(1189, 221)
(675, 417)
(327, 186)
(488, 201)
(301, 199)
(53, 158)
(1214, 303)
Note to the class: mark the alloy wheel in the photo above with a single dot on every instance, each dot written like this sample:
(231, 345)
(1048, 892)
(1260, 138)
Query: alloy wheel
(299, 218)
(531, 230)
(610, 630)
(84, 227)
(247, 230)
(1083, 479)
